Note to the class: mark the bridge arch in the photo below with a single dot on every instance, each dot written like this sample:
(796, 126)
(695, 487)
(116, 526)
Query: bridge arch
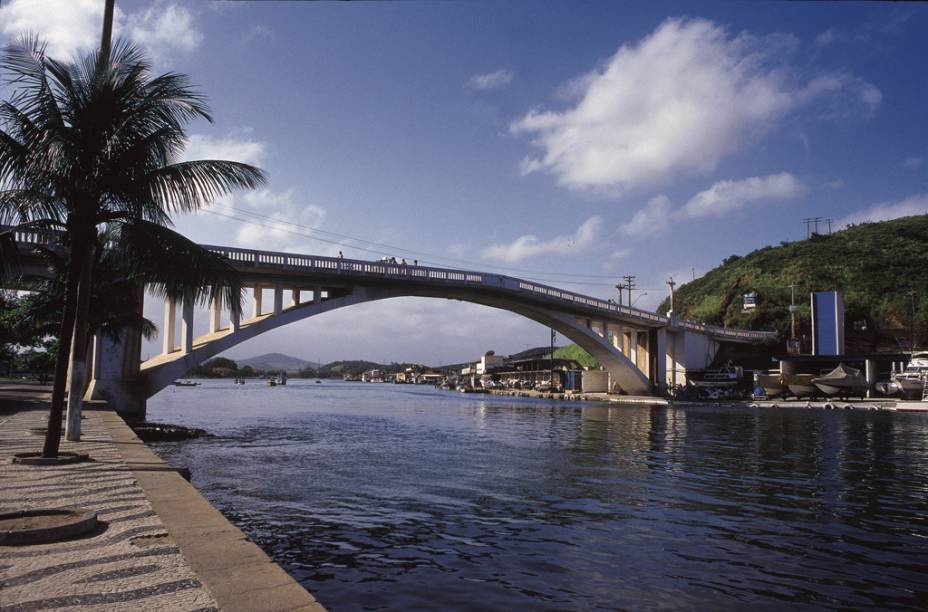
(161, 371)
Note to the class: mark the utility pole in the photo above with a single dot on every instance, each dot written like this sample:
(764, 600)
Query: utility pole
(792, 311)
(629, 284)
(619, 288)
(829, 226)
(671, 284)
(912, 296)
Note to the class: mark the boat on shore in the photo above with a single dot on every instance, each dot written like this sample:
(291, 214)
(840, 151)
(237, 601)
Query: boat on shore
(726, 376)
(843, 381)
(186, 383)
(772, 384)
(800, 385)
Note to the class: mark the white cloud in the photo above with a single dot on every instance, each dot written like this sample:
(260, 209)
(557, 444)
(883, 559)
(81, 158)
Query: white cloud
(164, 28)
(916, 204)
(834, 184)
(727, 196)
(530, 245)
(913, 163)
(676, 102)
(71, 26)
(492, 80)
(651, 220)
(234, 147)
(722, 198)
(276, 231)
(65, 25)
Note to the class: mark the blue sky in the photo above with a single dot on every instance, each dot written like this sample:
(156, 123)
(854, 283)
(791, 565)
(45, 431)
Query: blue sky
(540, 139)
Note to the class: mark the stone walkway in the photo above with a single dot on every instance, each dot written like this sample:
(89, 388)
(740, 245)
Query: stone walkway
(131, 563)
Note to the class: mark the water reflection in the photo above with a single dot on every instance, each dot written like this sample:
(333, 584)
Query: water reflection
(381, 497)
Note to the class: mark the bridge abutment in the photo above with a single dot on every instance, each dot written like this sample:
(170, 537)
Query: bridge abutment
(116, 375)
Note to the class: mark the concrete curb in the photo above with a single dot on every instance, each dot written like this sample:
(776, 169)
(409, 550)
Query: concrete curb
(237, 572)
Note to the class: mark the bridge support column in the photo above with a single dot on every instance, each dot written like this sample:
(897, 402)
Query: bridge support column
(116, 376)
(215, 315)
(186, 325)
(235, 318)
(256, 296)
(169, 328)
(658, 350)
(633, 347)
(295, 297)
(317, 294)
(278, 298)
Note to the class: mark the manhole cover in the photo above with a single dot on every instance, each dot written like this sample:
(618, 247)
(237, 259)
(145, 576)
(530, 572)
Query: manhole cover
(45, 525)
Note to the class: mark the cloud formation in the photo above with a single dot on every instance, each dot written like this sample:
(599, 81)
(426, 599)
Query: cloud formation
(722, 198)
(238, 146)
(71, 26)
(913, 163)
(491, 80)
(530, 245)
(277, 231)
(651, 220)
(728, 196)
(678, 101)
(916, 204)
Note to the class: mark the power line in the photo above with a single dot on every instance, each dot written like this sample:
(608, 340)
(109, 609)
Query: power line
(537, 277)
(393, 248)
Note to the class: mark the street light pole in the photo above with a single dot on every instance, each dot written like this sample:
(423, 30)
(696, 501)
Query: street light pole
(671, 284)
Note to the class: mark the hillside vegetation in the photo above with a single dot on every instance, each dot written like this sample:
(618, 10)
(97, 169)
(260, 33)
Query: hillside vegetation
(881, 268)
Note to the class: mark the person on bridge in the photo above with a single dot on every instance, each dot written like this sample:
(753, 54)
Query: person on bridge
(340, 255)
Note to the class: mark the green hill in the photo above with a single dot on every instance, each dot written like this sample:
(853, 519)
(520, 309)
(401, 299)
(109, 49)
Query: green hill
(881, 268)
(572, 351)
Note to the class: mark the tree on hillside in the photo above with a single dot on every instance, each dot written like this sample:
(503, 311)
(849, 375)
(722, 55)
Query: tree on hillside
(92, 145)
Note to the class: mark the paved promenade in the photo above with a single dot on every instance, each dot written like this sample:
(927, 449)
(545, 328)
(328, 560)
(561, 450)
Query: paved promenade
(161, 545)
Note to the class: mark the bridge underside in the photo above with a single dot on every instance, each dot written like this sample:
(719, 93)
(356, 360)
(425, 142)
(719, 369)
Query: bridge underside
(128, 387)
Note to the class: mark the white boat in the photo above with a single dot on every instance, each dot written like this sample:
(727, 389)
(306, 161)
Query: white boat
(912, 380)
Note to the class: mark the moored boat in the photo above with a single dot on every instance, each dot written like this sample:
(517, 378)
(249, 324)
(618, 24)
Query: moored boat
(842, 381)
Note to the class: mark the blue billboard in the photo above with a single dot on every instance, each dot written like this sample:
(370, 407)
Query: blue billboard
(827, 323)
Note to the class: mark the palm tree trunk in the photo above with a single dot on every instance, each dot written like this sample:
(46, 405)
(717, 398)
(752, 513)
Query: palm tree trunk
(53, 432)
(79, 349)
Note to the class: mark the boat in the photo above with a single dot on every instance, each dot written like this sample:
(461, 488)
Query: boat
(271, 383)
(800, 385)
(186, 383)
(726, 376)
(842, 381)
(911, 381)
(772, 384)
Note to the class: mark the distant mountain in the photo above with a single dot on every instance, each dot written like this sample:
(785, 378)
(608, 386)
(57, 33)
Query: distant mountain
(276, 361)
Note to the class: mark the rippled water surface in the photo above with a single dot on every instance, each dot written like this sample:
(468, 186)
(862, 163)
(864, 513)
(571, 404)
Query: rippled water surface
(391, 497)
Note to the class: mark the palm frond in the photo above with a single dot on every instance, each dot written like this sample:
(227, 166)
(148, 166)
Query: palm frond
(188, 186)
(173, 266)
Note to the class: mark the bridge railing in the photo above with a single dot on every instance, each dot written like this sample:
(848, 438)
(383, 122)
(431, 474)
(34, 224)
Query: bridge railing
(426, 273)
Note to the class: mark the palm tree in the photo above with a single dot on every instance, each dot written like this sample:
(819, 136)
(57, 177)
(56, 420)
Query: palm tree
(93, 144)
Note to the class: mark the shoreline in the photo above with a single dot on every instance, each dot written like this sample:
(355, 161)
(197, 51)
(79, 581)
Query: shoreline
(219, 567)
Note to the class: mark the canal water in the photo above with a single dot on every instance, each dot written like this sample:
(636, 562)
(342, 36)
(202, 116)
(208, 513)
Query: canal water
(390, 497)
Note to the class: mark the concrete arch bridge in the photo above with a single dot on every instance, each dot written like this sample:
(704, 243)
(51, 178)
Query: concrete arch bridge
(643, 352)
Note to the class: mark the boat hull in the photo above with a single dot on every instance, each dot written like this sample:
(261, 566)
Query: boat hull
(800, 385)
(772, 385)
(831, 389)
